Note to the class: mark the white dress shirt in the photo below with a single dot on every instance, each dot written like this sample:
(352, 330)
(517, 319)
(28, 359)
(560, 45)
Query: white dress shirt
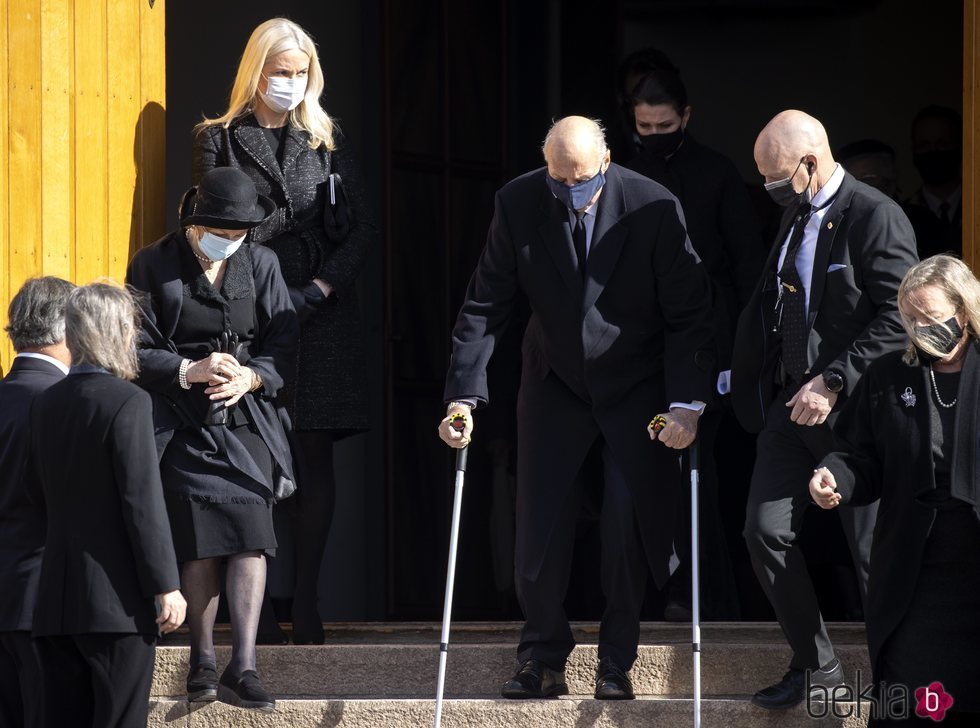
(44, 357)
(808, 247)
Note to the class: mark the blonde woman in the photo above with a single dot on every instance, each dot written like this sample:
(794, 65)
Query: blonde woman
(909, 434)
(276, 132)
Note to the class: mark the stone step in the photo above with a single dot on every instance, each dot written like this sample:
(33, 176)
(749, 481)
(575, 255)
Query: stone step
(577, 712)
(401, 662)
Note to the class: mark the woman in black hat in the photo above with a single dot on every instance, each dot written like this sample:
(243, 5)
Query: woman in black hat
(276, 132)
(219, 332)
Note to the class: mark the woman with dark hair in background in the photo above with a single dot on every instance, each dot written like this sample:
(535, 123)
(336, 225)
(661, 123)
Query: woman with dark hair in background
(108, 555)
(908, 436)
(218, 338)
(276, 132)
(724, 232)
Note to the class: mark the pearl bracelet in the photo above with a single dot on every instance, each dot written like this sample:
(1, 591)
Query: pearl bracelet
(182, 374)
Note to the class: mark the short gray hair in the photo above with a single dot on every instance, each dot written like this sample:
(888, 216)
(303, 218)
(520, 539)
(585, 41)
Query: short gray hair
(599, 136)
(36, 316)
(101, 323)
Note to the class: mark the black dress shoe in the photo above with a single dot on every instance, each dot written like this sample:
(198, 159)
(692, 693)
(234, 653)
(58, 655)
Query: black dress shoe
(202, 684)
(677, 611)
(535, 680)
(307, 625)
(611, 682)
(245, 691)
(791, 690)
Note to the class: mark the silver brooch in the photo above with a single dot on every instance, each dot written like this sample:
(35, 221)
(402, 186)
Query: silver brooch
(908, 397)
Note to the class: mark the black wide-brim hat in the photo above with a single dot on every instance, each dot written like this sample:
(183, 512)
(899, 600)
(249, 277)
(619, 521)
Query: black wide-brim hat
(225, 199)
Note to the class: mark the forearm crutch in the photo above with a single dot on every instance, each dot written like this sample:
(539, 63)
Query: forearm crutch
(458, 423)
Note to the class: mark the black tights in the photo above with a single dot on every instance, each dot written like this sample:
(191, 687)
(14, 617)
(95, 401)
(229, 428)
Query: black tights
(244, 587)
(316, 498)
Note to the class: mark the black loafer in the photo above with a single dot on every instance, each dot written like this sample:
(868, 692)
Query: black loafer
(202, 684)
(245, 691)
(535, 680)
(791, 690)
(611, 682)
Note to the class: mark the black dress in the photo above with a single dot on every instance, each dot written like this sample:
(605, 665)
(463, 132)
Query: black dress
(206, 529)
(937, 638)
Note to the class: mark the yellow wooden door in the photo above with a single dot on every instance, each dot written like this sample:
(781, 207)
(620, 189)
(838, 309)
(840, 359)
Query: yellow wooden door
(82, 139)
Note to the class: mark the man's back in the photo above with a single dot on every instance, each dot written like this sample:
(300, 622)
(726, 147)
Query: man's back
(22, 522)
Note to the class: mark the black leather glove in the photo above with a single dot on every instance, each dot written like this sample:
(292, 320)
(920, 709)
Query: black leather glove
(307, 300)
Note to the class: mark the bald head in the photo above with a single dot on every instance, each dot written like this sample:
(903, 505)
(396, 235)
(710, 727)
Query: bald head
(575, 149)
(792, 136)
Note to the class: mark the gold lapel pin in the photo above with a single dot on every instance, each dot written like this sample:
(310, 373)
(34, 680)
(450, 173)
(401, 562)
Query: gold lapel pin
(830, 226)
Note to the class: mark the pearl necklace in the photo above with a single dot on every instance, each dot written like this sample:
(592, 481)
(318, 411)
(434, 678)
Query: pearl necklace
(935, 389)
(203, 258)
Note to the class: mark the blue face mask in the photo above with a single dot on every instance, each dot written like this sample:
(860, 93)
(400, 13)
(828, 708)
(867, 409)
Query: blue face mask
(218, 248)
(578, 196)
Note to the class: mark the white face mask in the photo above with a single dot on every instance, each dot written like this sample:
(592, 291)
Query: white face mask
(284, 94)
(217, 248)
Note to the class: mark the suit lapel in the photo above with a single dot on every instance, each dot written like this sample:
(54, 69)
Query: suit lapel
(608, 238)
(253, 141)
(557, 236)
(293, 144)
(829, 228)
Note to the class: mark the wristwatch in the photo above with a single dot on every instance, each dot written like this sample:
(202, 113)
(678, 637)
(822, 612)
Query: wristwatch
(833, 380)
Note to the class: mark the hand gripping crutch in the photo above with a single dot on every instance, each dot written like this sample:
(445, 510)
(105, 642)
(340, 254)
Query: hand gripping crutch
(458, 423)
(657, 424)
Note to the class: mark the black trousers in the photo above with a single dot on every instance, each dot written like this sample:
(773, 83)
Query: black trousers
(779, 495)
(97, 680)
(20, 682)
(546, 635)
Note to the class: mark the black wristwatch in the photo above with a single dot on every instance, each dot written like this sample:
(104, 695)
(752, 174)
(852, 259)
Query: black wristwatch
(833, 380)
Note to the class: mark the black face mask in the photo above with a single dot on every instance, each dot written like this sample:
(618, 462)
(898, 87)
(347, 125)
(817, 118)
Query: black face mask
(662, 145)
(942, 339)
(782, 192)
(939, 166)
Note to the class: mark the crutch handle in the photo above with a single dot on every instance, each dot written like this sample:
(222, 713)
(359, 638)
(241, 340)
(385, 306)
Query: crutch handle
(458, 423)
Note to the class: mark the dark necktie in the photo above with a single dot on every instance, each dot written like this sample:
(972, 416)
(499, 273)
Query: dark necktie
(579, 239)
(944, 213)
(793, 297)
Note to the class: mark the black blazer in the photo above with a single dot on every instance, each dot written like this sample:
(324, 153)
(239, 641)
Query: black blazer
(22, 522)
(108, 549)
(602, 357)
(330, 386)
(864, 248)
(885, 434)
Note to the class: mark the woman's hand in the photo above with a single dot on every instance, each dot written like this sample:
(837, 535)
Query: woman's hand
(172, 608)
(325, 288)
(232, 390)
(213, 370)
(823, 488)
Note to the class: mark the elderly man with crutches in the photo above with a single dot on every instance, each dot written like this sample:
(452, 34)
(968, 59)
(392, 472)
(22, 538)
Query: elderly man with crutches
(620, 330)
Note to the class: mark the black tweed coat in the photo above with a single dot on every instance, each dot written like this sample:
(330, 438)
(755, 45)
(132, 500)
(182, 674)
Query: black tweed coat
(330, 388)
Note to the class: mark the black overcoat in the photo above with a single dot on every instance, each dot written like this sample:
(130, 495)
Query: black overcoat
(22, 521)
(721, 224)
(108, 549)
(600, 359)
(156, 272)
(330, 386)
(885, 433)
(864, 248)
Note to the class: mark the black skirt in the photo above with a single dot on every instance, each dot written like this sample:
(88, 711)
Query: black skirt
(939, 638)
(209, 530)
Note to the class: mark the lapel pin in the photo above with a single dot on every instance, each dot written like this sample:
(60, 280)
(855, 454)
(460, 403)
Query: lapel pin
(830, 226)
(908, 397)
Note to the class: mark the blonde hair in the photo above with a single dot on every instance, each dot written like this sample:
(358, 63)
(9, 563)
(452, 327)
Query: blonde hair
(958, 284)
(101, 323)
(269, 39)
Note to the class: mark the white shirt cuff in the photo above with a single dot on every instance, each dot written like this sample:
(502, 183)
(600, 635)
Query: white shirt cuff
(693, 406)
(724, 385)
